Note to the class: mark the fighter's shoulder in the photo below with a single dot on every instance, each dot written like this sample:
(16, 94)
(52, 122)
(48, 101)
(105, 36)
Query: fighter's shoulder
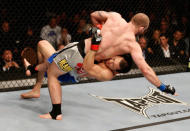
(135, 47)
(114, 14)
(129, 36)
(132, 43)
(107, 14)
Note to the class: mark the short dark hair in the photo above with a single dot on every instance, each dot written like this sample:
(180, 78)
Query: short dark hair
(125, 64)
(164, 35)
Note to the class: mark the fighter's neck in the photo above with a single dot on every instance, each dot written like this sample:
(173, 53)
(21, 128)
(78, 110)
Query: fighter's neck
(131, 27)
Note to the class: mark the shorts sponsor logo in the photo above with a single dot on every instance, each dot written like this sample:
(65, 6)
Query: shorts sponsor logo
(63, 64)
(140, 105)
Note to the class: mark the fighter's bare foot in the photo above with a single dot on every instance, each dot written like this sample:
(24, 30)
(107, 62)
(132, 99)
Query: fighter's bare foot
(26, 64)
(30, 94)
(48, 116)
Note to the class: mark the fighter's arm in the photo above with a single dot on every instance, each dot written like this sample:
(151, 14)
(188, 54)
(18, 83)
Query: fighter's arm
(95, 70)
(147, 71)
(99, 17)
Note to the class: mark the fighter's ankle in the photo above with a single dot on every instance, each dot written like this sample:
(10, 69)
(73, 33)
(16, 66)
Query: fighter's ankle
(56, 111)
(36, 91)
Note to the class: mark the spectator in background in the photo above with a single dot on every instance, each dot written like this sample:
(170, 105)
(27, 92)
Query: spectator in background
(81, 32)
(174, 20)
(64, 38)
(185, 26)
(164, 26)
(6, 37)
(51, 31)
(178, 46)
(73, 24)
(153, 24)
(4, 14)
(164, 50)
(84, 14)
(154, 44)
(62, 19)
(143, 44)
(30, 39)
(28, 47)
(187, 43)
(67, 22)
(8, 64)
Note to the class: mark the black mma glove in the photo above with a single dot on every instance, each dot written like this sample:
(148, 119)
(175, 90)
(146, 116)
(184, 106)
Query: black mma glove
(93, 31)
(167, 89)
(96, 38)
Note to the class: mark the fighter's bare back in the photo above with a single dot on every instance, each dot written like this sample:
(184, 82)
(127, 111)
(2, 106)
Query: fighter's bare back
(117, 37)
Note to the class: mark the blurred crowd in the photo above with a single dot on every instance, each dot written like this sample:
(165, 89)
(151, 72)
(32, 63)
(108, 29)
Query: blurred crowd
(165, 42)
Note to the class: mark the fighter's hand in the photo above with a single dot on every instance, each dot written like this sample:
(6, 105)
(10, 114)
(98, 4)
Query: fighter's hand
(168, 89)
(96, 39)
(94, 31)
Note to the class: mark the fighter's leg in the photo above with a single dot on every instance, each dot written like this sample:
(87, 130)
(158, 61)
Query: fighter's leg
(44, 51)
(55, 92)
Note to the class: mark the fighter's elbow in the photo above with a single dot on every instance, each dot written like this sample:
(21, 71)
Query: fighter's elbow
(105, 78)
(93, 14)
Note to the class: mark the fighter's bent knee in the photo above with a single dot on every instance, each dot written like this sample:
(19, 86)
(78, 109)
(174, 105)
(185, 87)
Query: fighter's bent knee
(41, 42)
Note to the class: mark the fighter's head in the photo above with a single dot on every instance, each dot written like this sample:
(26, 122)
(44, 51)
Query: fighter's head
(141, 22)
(120, 64)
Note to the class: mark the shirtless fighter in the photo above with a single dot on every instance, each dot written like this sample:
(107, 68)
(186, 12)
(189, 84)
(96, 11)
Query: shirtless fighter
(118, 37)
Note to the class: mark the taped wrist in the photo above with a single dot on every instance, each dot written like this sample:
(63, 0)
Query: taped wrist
(56, 110)
(94, 47)
(162, 87)
(167, 89)
(32, 69)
